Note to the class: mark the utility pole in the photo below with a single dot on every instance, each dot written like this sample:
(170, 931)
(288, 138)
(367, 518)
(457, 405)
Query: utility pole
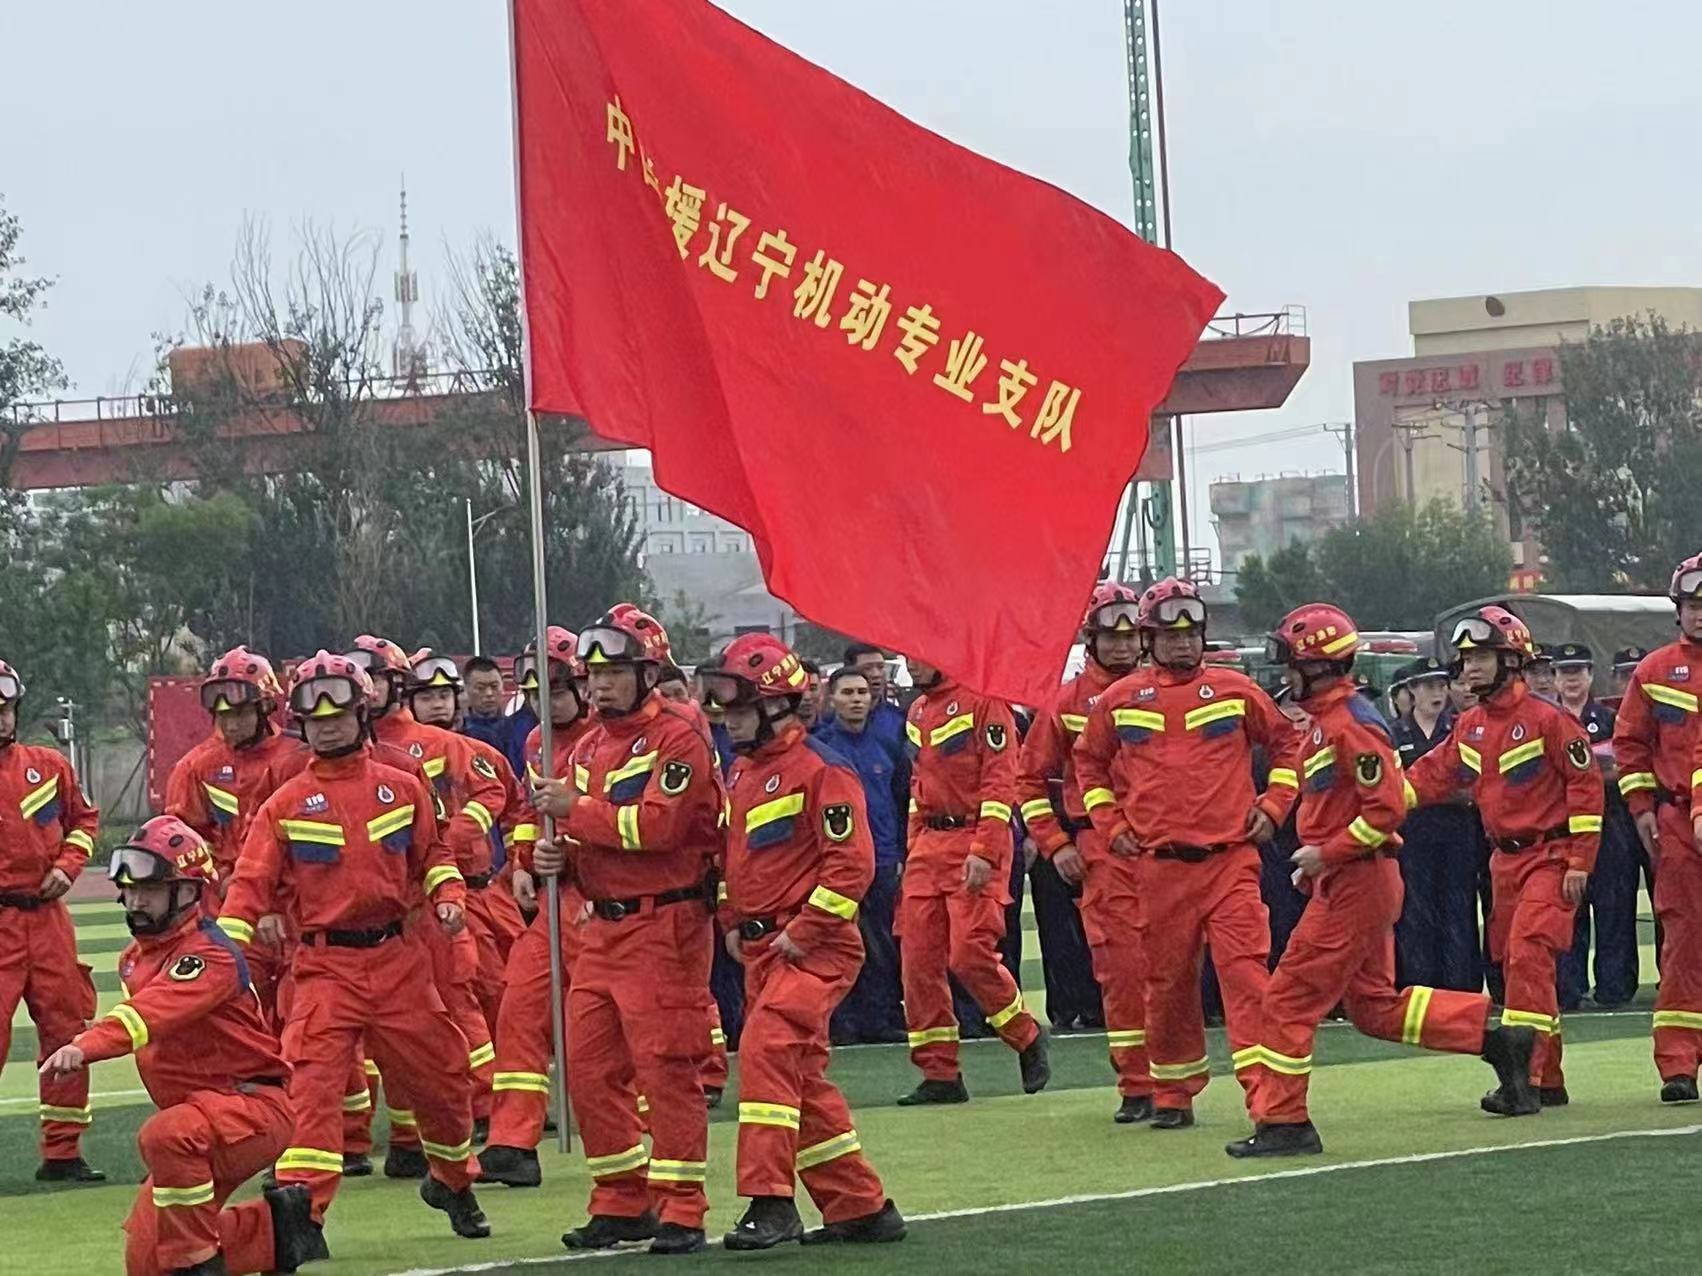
(1410, 432)
(1468, 444)
(1345, 430)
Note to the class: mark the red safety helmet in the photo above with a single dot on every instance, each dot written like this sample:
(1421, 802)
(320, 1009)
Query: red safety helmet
(1313, 632)
(379, 655)
(754, 667)
(563, 646)
(11, 686)
(1171, 604)
(163, 850)
(1496, 629)
(1111, 607)
(624, 633)
(1687, 580)
(240, 677)
(325, 684)
(428, 669)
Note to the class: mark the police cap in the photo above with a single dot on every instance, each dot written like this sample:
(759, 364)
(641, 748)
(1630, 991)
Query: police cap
(1572, 655)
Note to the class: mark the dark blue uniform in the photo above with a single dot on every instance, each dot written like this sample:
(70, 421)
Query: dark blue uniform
(1436, 937)
(1611, 906)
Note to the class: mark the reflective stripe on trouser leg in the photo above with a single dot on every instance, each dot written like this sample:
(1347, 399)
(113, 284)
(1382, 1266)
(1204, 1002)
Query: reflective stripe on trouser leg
(933, 1032)
(1678, 907)
(977, 923)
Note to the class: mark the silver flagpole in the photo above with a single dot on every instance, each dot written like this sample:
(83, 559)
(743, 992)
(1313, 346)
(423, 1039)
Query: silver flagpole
(540, 604)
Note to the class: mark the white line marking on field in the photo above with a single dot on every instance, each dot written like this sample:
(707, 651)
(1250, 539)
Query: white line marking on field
(1169, 1189)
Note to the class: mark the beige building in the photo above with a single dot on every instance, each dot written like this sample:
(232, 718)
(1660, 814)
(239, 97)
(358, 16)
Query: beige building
(1428, 425)
(1263, 515)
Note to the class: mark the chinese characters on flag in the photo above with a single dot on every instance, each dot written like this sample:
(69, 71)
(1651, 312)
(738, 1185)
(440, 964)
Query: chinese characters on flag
(918, 378)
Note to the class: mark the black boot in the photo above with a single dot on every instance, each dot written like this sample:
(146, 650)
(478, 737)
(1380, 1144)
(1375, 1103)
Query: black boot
(465, 1216)
(70, 1169)
(1035, 1063)
(882, 1227)
(769, 1221)
(1678, 1090)
(1508, 1051)
(1278, 1140)
(605, 1231)
(296, 1238)
(357, 1165)
(1135, 1109)
(1553, 1096)
(673, 1238)
(953, 1091)
(712, 1096)
(1172, 1118)
(512, 1167)
(404, 1163)
(214, 1266)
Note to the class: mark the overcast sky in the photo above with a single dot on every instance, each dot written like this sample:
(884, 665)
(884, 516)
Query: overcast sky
(1343, 156)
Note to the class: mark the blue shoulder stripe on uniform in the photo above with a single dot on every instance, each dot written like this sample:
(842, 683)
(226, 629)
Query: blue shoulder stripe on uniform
(211, 930)
(828, 754)
(1369, 715)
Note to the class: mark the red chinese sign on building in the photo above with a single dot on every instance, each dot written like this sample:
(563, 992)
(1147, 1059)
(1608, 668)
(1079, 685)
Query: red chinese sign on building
(1504, 378)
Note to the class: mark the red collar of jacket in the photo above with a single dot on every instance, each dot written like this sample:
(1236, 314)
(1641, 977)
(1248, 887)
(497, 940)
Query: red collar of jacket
(1327, 699)
(628, 725)
(784, 741)
(1507, 698)
(191, 920)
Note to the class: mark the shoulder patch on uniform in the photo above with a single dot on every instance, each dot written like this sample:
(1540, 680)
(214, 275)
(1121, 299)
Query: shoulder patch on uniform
(837, 821)
(1368, 768)
(675, 777)
(187, 967)
(1578, 752)
(482, 765)
(997, 737)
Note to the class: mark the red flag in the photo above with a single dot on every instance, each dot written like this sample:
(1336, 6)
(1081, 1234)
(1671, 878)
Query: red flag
(918, 378)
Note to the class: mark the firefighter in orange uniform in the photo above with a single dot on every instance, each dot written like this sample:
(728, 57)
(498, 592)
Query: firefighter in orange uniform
(1166, 770)
(951, 908)
(1351, 804)
(1528, 765)
(1658, 746)
(641, 825)
(493, 917)
(47, 830)
(348, 847)
(218, 785)
(209, 1061)
(1110, 900)
(798, 860)
(471, 804)
(524, 1035)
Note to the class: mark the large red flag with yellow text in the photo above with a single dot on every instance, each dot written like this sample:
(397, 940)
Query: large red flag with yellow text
(918, 378)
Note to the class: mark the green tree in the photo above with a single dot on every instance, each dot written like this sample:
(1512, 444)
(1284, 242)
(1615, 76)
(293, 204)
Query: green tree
(1400, 567)
(27, 371)
(1268, 591)
(1613, 496)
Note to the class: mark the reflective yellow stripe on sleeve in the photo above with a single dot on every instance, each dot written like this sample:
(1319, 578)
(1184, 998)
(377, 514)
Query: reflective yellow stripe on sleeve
(1365, 833)
(436, 877)
(133, 1023)
(1284, 775)
(1074, 723)
(481, 815)
(1093, 799)
(834, 903)
(1036, 809)
(626, 821)
(991, 810)
(237, 929)
(1583, 824)
(81, 840)
(1636, 781)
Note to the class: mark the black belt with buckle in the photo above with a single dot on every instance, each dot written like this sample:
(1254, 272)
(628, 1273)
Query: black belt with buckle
(940, 823)
(1514, 845)
(24, 903)
(612, 910)
(754, 928)
(352, 938)
(478, 881)
(1189, 854)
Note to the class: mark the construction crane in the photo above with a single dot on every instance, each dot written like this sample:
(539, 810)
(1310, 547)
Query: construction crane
(1152, 223)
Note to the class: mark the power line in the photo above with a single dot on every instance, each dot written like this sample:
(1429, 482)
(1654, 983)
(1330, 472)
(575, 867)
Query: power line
(1272, 436)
